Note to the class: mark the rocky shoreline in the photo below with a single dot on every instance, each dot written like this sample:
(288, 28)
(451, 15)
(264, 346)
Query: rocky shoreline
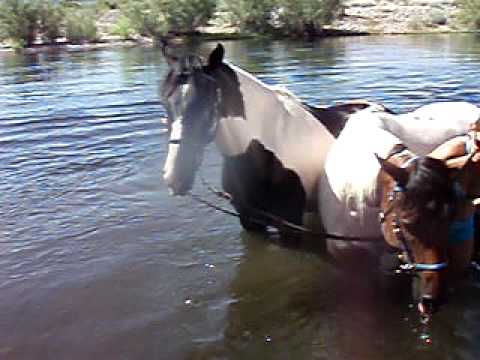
(399, 16)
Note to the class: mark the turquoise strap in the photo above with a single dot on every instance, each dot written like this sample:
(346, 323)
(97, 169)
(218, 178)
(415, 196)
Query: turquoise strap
(461, 231)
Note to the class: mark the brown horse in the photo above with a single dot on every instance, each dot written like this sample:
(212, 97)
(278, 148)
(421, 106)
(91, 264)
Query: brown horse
(421, 202)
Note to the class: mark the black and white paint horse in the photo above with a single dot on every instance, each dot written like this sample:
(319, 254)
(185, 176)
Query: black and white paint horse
(273, 146)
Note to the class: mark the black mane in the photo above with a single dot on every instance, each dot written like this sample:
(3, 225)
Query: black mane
(430, 186)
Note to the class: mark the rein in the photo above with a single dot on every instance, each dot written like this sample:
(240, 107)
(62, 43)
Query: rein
(276, 220)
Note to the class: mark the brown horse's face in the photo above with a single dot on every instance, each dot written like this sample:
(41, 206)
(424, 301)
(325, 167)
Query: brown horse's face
(417, 201)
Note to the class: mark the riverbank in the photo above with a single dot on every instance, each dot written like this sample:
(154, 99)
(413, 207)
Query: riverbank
(355, 17)
(400, 17)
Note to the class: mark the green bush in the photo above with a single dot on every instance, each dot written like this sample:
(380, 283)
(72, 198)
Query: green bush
(80, 26)
(470, 13)
(124, 28)
(250, 15)
(157, 17)
(145, 17)
(50, 20)
(187, 15)
(289, 17)
(305, 16)
(19, 21)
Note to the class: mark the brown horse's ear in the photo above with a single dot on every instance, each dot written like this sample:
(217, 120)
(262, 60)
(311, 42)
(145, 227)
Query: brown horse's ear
(216, 57)
(400, 175)
(171, 59)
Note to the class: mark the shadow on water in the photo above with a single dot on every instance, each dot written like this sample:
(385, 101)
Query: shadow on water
(294, 303)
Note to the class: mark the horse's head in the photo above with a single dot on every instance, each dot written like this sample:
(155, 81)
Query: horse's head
(418, 195)
(191, 97)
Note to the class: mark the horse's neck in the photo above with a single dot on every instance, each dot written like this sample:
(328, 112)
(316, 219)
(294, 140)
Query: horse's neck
(253, 111)
(277, 120)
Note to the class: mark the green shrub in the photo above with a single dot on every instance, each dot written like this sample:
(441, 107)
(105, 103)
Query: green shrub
(50, 20)
(80, 26)
(124, 28)
(187, 15)
(19, 21)
(470, 13)
(288, 17)
(145, 17)
(305, 16)
(157, 17)
(250, 15)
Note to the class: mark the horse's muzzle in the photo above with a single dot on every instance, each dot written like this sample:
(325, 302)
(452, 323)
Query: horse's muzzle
(175, 187)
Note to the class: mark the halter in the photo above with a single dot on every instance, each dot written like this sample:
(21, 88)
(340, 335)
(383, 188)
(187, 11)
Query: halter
(410, 264)
(212, 131)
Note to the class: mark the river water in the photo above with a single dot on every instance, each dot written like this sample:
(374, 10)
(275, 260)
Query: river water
(97, 261)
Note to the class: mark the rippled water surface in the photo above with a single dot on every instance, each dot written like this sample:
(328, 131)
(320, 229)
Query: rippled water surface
(97, 261)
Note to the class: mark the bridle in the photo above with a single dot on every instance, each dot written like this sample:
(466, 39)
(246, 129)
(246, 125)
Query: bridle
(405, 253)
(211, 131)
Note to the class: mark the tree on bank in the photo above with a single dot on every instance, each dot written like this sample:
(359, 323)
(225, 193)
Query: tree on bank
(23, 22)
(284, 17)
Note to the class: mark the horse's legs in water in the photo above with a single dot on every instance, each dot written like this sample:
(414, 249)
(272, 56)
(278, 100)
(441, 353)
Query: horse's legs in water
(238, 185)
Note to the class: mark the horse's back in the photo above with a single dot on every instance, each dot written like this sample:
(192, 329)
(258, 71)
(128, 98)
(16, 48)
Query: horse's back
(442, 112)
(427, 127)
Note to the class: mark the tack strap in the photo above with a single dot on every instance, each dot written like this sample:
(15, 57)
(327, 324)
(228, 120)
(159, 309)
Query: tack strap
(424, 267)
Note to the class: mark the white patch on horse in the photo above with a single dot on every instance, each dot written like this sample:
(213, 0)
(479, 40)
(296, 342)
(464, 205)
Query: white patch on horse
(356, 184)
(176, 134)
(173, 148)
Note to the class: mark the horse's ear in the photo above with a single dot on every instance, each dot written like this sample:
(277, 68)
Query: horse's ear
(400, 175)
(216, 57)
(171, 59)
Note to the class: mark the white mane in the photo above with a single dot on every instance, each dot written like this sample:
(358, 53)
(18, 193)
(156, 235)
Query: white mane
(352, 168)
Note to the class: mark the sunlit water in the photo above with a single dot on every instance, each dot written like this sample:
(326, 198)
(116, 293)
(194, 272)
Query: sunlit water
(97, 261)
